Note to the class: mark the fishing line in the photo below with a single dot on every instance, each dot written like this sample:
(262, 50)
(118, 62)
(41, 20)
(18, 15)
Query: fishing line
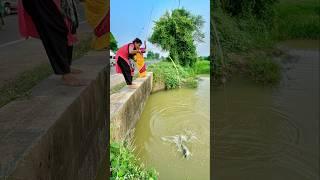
(149, 21)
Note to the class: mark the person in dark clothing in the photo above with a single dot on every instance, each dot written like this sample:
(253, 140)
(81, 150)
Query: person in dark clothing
(55, 22)
(124, 58)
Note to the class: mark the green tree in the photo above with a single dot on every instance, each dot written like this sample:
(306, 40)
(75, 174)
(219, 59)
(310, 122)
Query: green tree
(156, 55)
(150, 55)
(113, 43)
(177, 32)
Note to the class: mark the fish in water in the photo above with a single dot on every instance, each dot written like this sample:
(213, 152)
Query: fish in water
(185, 151)
(179, 141)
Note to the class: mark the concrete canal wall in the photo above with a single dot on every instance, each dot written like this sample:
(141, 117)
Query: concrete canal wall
(59, 132)
(127, 105)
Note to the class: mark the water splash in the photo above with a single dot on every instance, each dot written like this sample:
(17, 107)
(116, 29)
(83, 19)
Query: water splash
(180, 141)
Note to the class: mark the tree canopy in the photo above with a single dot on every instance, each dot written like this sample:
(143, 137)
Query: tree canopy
(177, 32)
(152, 55)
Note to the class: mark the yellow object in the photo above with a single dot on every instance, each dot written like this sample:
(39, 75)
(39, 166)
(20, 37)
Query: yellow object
(141, 65)
(96, 11)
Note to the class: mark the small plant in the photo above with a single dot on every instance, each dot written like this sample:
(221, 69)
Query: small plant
(126, 166)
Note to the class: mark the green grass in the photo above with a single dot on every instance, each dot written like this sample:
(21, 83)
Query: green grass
(172, 77)
(241, 34)
(148, 59)
(126, 166)
(298, 19)
(20, 86)
(202, 67)
(117, 88)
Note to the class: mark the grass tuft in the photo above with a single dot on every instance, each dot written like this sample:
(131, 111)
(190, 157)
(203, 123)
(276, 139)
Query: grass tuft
(125, 165)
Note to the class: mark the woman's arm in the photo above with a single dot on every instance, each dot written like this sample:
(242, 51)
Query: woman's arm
(143, 50)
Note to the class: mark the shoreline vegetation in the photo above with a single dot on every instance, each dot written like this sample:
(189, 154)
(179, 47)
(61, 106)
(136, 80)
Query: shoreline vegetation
(125, 164)
(244, 35)
(177, 76)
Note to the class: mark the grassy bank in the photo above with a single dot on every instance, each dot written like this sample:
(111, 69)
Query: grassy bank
(125, 165)
(243, 38)
(21, 85)
(175, 76)
(297, 19)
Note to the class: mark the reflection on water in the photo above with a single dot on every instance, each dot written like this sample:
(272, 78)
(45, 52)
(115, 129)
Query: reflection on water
(266, 133)
(183, 112)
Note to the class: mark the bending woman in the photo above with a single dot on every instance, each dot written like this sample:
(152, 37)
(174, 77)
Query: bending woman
(124, 58)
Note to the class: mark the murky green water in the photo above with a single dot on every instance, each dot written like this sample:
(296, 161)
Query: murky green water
(170, 113)
(264, 133)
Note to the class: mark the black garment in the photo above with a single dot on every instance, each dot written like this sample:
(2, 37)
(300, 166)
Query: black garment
(70, 52)
(126, 71)
(1, 18)
(53, 32)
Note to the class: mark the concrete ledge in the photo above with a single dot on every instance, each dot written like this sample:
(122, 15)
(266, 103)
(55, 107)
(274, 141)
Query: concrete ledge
(116, 79)
(127, 105)
(59, 132)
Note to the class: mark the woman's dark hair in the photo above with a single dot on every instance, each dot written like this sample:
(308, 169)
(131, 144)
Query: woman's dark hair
(137, 40)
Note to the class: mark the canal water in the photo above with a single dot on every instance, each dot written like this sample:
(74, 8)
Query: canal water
(264, 133)
(182, 113)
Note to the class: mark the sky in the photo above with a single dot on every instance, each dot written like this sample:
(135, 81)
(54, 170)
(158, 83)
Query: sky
(131, 19)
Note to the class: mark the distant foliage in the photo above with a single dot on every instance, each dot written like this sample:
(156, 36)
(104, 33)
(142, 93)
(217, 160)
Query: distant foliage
(113, 43)
(177, 32)
(202, 67)
(153, 55)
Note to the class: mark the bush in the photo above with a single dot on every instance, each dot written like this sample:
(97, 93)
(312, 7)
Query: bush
(202, 67)
(125, 166)
(173, 77)
(264, 71)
